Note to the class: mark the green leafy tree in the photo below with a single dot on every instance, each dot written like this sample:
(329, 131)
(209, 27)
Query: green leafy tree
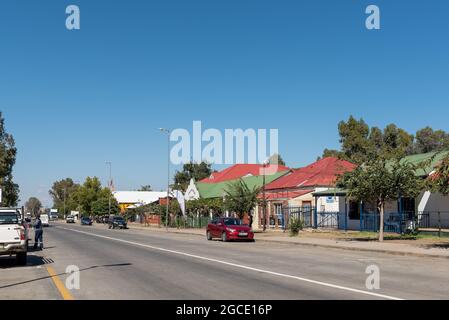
(33, 205)
(100, 207)
(439, 180)
(428, 140)
(8, 153)
(380, 180)
(355, 145)
(89, 193)
(241, 199)
(197, 171)
(63, 191)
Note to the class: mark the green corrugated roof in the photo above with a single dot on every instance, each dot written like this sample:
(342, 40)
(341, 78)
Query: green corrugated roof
(217, 190)
(418, 158)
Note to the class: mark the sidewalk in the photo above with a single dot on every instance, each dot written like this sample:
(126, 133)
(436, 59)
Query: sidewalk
(402, 249)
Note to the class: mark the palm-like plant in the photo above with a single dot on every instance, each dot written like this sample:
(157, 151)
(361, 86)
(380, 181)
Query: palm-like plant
(240, 198)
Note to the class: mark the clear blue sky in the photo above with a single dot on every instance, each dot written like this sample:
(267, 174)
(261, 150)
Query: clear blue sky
(74, 99)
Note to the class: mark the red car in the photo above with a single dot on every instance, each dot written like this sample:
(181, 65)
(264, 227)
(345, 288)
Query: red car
(228, 229)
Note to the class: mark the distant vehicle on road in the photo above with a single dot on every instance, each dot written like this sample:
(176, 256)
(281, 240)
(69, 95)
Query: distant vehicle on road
(13, 235)
(86, 221)
(117, 222)
(70, 219)
(45, 220)
(228, 229)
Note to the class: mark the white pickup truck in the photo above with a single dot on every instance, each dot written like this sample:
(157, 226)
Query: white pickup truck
(13, 235)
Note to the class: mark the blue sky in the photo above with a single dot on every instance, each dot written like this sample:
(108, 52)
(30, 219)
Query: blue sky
(74, 99)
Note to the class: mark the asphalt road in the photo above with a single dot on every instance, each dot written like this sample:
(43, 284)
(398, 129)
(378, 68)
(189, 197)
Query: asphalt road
(143, 265)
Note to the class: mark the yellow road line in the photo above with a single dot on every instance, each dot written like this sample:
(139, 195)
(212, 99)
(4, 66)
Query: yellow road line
(66, 295)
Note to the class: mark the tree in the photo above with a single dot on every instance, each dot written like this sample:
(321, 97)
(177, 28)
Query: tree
(439, 180)
(8, 153)
(145, 188)
(62, 193)
(330, 153)
(100, 207)
(277, 159)
(89, 193)
(355, 145)
(33, 206)
(240, 199)
(380, 180)
(197, 171)
(428, 140)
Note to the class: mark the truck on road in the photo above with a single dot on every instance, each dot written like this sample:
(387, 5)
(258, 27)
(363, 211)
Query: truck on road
(13, 235)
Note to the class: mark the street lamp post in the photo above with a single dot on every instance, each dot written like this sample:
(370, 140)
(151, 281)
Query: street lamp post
(264, 201)
(110, 184)
(167, 131)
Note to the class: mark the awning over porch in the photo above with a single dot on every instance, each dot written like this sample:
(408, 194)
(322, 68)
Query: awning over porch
(331, 193)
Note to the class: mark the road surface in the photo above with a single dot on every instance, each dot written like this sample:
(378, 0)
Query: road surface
(145, 265)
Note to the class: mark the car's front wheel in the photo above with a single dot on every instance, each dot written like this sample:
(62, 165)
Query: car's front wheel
(209, 236)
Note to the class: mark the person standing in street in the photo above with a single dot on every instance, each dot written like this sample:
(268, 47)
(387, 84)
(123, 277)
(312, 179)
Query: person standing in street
(38, 234)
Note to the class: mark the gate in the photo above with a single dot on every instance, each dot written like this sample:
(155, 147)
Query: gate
(302, 213)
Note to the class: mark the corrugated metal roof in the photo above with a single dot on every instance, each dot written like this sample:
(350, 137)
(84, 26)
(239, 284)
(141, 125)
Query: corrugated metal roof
(321, 173)
(217, 190)
(239, 171)
(133, 197)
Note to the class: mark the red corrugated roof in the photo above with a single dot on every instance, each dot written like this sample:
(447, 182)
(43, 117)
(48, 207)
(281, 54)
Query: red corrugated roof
(284, 195)
(239, 171)
(321, 173)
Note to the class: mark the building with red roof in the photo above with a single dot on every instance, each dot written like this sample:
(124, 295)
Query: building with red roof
(296, 189)
(239, 171)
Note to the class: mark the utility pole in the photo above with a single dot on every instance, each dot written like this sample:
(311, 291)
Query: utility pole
(110, 184)
(64, 203)
(167, 131)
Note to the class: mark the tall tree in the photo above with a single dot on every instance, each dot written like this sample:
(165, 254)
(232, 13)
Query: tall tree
(87, 194)
(62, 194)
(439, 180)
(8, 153)
(428, 140)
(197, 171)
(100, 207)
(33, 205)
(354, 140)
(380, 180)
(277, 159)
(241, 199)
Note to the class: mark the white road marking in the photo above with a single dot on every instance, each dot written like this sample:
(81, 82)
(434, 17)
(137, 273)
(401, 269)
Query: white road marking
(324, 284)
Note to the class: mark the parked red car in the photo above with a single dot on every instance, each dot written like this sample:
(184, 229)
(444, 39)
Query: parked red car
(228, 229)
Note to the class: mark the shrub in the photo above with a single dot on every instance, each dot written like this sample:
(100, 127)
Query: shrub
(295, 226)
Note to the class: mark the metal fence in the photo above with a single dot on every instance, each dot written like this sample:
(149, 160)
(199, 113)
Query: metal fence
(305, 214)
(394, 222)
(433, 220)
(331, 220)
(189, 222)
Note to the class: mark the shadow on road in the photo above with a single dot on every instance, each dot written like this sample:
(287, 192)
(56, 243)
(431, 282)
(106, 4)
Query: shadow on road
(10, 262)
(61, 274)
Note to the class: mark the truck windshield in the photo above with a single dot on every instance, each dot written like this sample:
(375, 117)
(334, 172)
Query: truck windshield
(9, 218)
